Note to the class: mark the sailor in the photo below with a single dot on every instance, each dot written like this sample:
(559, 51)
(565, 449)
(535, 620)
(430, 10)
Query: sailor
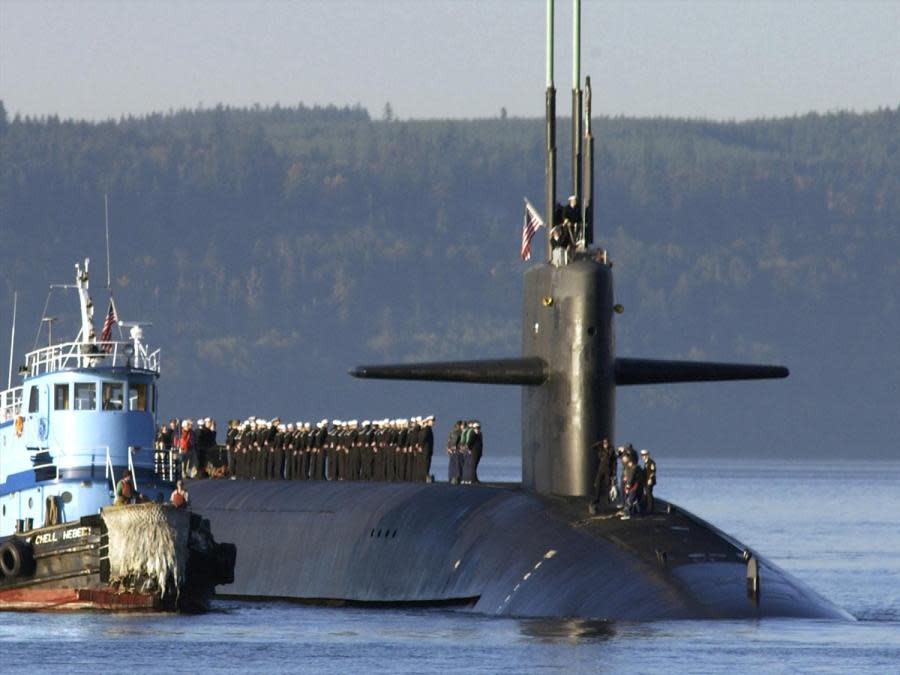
(353, 451)
(605, 476)
(427, 440)
(317, 451)
(649, 480)
(622, 460)
(231, 446)
(276, 461)
(466, 439)
(331, 450)
(454, 466)
(477, 450)
(244, 441)
(159, 446)
(363, 440)
(633, 482)
(180, 498)
(414, 463)
(124, 489)
(303, 439)
(572, 218)
(390, 447)
(200, 447)
(379, 452)
(260, 451)
(187, 449)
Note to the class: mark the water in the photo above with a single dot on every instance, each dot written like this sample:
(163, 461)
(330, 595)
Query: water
(836, 530)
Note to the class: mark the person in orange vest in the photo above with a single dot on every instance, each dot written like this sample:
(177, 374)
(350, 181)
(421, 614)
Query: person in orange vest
(124, 489)
(180, 498)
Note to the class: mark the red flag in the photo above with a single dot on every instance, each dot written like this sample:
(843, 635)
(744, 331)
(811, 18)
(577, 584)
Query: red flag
(530, 227)
(111, 319)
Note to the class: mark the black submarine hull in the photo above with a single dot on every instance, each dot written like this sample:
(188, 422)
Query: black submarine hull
(493, 549)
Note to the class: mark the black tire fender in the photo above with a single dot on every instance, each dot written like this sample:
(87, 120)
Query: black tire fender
(15, 558)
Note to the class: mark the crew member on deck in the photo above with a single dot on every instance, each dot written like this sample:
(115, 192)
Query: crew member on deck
(180, 498)
(606, 475)
(124, 489)
(649, 479)
(454, 468)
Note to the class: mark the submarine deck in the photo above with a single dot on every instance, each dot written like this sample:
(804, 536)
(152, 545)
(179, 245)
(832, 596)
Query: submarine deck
(495, 547)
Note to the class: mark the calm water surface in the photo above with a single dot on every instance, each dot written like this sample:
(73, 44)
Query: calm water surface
(837, 532)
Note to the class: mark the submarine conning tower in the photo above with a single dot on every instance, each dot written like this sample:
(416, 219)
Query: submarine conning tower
(567, 324)
(568, 367)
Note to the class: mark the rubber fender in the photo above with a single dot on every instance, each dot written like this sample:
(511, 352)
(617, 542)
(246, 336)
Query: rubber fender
(15, 558)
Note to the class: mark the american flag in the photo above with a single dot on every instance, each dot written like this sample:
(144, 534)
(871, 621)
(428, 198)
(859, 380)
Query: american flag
(530, 226)
(111, 319)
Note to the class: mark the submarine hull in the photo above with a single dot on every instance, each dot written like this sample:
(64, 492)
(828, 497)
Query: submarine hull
(493, 549)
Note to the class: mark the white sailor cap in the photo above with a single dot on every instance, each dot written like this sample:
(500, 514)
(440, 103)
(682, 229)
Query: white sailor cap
(645, 452)
(366, 423)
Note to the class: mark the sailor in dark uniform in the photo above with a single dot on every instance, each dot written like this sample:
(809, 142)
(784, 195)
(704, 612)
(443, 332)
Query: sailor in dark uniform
(415, 450)
(276, 456)
(353, 451)
(465, 447)
(259, 439)
(477, 450)
(390, 455)
(364, 439)
(331, 450)
(606, 473)
(649, 480)
(231, 445)
(305, 438)
(403, 444)
(427, 440)
(379, 452)
(317, 451)
(454, 467)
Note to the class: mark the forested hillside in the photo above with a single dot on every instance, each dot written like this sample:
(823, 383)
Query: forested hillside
(273, 248)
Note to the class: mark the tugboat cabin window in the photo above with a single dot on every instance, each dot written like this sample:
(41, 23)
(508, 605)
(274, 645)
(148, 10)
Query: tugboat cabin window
(113, 396)
(85, 396)
(137, 396)
(33, 400)
(61, 397)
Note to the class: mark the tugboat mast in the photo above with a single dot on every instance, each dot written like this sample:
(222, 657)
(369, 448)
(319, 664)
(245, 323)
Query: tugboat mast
(87, 305)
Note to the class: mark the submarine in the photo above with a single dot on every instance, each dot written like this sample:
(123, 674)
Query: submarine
(529, 549)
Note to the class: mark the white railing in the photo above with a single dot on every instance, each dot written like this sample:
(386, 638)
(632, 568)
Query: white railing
(111, 474)
(91, 355)
(10, 403)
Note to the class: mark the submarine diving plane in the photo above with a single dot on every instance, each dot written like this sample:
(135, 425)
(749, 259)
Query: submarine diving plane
(529, 549)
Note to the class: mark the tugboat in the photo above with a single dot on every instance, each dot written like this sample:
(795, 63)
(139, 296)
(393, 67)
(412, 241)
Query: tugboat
(83, 417)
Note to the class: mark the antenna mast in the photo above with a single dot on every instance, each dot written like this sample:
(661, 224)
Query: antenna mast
(106, 212)
(550, 135)
(12, 340)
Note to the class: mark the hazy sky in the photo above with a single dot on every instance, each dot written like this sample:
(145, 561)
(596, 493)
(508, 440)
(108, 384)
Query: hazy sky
(434, 58)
